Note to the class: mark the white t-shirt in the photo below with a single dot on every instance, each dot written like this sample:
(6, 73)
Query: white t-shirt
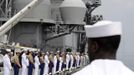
(105, 67)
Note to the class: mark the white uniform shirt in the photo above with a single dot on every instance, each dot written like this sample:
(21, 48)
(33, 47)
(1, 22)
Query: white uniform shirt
(72, 60)
(55, 63)
(24, 60)
(67, 61)
(84, 60)
(36, 64)
(46, 69)
(105, 67)
(25, 63)
(78, 61)
(81, 61)
(7, 65)
(61, 61)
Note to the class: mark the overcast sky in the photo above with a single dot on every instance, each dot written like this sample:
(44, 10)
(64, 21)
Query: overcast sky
(121, 10)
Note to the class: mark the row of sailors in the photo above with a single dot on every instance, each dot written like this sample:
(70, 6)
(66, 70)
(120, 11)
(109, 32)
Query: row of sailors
(45, 63)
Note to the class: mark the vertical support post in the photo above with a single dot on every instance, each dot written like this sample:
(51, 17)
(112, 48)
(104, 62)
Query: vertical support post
(6, 9)
(39, 36)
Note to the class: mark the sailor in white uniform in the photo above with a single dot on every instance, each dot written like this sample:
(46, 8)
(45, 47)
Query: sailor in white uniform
(55, 63)
(78, 60)
(84, 60)
(46, 68)
(25, 63)
(61, 61)
(7, 62)
(103, 42)
(67, 60)
(72, 60)
(81, 60)
(36, 64)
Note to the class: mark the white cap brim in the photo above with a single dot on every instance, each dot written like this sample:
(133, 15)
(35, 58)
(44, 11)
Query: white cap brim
(8, 50)
(103, 29)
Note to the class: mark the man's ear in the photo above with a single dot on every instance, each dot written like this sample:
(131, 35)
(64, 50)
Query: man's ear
(94, 46)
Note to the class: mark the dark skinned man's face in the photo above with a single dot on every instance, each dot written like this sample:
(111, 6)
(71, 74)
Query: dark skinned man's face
(92, 49)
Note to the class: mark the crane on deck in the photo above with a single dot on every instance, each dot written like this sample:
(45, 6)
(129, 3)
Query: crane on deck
(16, 18)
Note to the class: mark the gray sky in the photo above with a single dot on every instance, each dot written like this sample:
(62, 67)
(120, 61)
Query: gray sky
(121, 10)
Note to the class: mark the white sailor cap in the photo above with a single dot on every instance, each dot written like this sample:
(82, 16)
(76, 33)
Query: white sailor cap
(47, 52)
(103, 29)
(8, 50)
(58, 51)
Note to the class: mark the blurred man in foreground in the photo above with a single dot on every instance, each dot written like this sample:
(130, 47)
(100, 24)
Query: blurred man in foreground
(103, 42)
